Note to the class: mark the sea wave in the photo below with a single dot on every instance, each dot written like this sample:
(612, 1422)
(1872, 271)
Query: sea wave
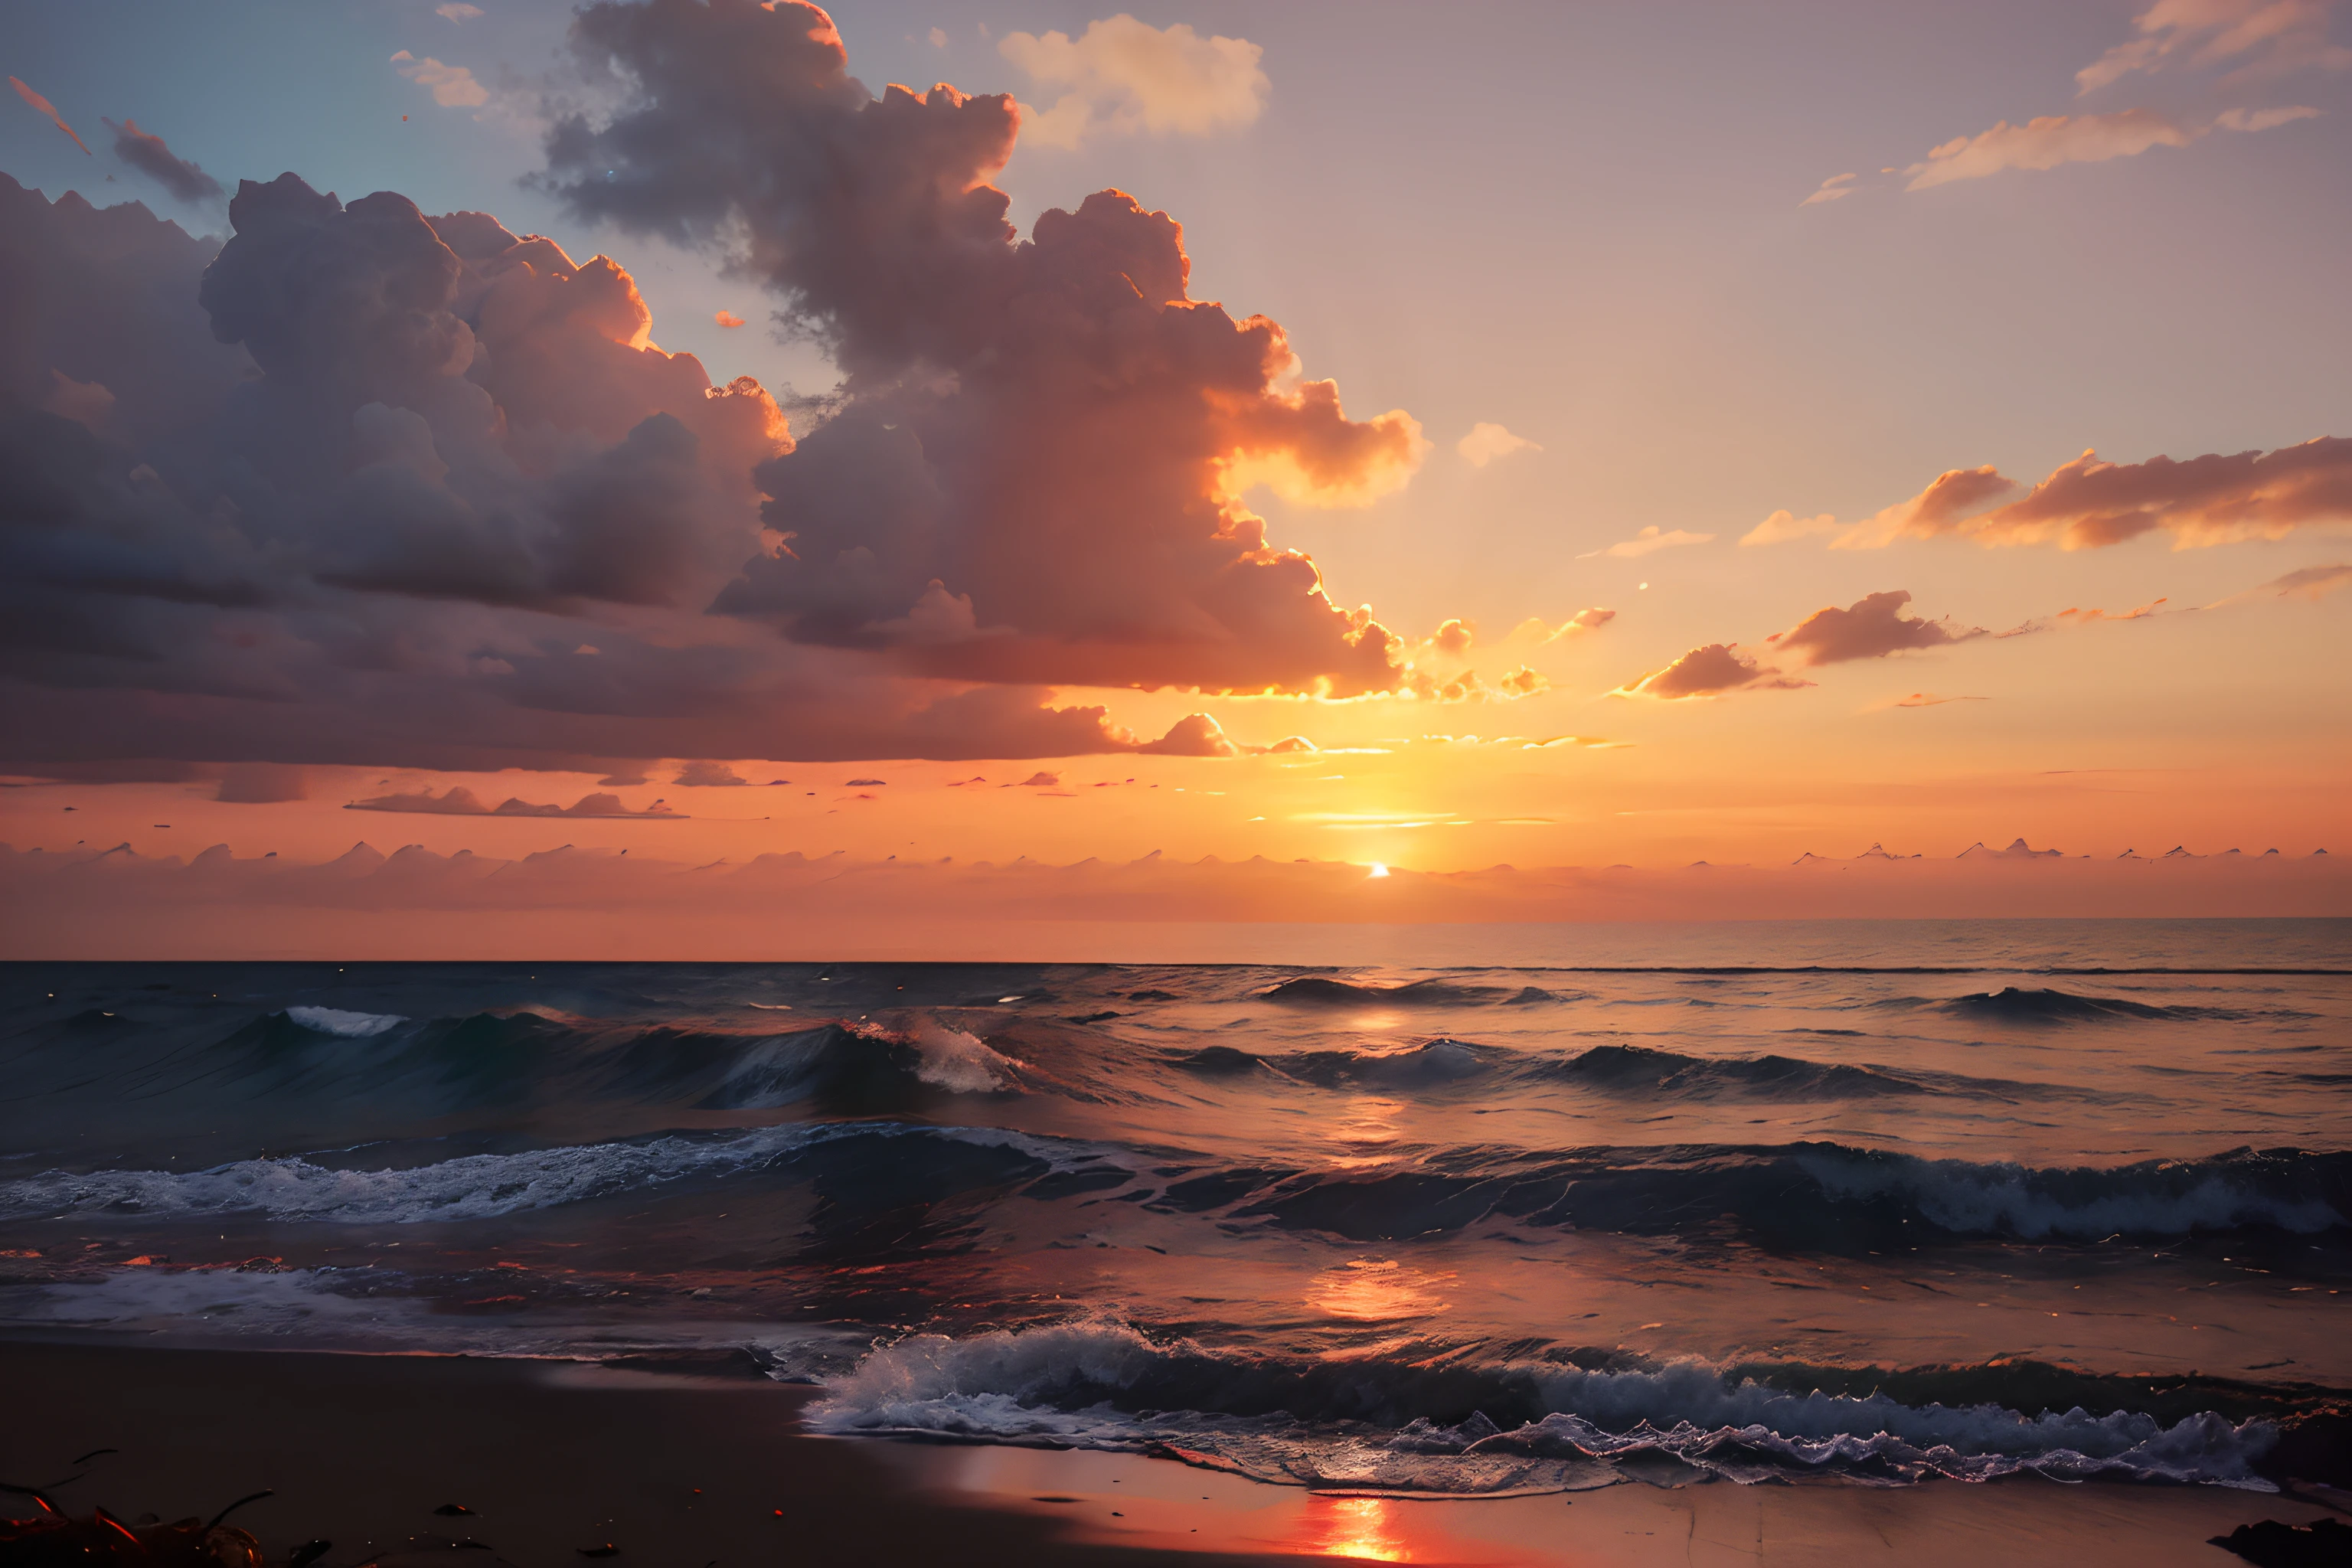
(1824, 1196)
(350, 1026)
(1444, 1063)
(2047, 1005)
(486, 1186)
(1392, 1421)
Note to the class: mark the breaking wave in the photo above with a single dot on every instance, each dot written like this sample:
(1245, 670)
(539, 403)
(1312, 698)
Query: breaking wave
(1434, 1424)
(486, 1186)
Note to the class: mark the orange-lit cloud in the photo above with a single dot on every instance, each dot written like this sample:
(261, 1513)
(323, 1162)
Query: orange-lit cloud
(46, 107)
(452, 86)
(1648, 540)
(2056, 139)
(1540, 631)
(1872, 627)
(2258, 37)
(468, 514)
(1836, 187)
(1929, 700)
(727, 319)
(1121, 76)
(1785, 525)
(2087, 503)
(1710, 671)
(1071, 458)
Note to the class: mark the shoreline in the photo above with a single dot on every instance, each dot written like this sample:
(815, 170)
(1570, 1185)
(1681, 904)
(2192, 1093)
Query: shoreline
(555, 1458)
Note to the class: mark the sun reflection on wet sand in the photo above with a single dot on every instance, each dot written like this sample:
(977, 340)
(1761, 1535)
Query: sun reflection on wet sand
(1352, 1527)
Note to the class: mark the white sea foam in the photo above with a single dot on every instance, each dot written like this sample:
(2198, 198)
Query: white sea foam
(351, 1025)
(959, 1062)
(1018, 1387)
(471, 1186)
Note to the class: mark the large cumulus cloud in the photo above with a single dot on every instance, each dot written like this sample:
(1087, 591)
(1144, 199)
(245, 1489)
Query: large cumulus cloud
(370, 485)
(1038, 470)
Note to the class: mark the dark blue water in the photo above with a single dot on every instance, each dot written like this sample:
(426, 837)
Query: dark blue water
(1881, 1202)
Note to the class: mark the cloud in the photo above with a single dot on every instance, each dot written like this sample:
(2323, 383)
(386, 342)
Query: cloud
(710, 775)
(1831, 189)
(452, 87)
(1121, 76)
(1784, 525)
(2087, 503)
(1488, 442)
(728, 318)
(2263, 119)
(369, 486)
(263, 784)
(939, 37)
(1454, 638)
(1872, 627)
(1648, 540)
(2262, 38)
(1194, 735)
(2045, 143)
(458, 11)
(1002, 400)
(2311, 581)
(46, 107)
(2083, 617)
(1929, 700)
(150, 156)
(1709, 671)
(2053, 140)
(459, 801)
(1938, 509)
(1540, 631)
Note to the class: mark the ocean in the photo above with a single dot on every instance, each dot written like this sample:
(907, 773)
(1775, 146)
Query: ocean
(1512, 1210)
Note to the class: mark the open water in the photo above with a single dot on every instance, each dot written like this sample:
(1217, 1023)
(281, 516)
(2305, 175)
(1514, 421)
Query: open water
(1877, 1201)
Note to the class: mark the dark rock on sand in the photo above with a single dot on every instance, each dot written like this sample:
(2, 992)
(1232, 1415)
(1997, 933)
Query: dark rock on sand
(2325, 1543)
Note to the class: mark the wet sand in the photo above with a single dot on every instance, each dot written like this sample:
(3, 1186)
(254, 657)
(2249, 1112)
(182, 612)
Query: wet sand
(554, 1459)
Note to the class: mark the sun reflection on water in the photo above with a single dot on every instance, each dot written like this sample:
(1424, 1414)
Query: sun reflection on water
(1372, 1290)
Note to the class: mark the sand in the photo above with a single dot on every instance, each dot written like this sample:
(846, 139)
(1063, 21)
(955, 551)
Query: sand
(555, 1458)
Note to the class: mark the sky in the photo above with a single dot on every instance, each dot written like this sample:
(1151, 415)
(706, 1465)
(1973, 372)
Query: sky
(1556, 435)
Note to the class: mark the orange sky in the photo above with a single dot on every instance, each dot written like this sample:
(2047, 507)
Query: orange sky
(1730, 527)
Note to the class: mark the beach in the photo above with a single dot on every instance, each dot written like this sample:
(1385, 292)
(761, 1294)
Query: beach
(555, 1458)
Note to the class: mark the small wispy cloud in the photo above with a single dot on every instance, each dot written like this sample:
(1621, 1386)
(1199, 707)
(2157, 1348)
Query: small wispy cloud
(452, 86)
(1831, 189)
(1648, 540)
(1488, 442)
